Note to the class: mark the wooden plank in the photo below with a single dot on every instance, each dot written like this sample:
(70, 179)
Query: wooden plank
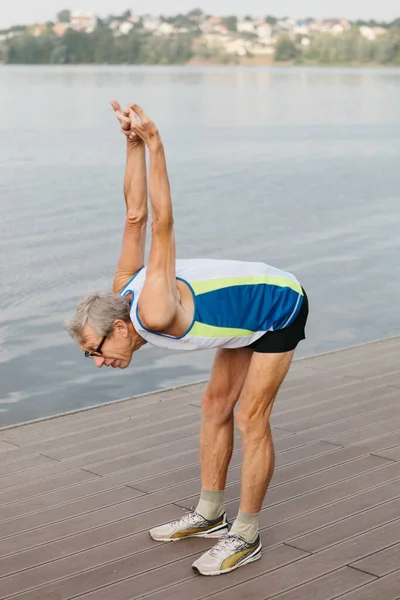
(159, 398)
(392, 453)
(124, 427)
(340, 411)
(318, 462)
(5, 446)
(386, 588)
(86, 539)
(151, 435)
(131, 453)
(128, 459)
(326, 587)
(42, 492)
(349, 527)
(29, 505)
(291, 521)
(66, 511)
(87, 422)
(316, 499)
(358, 353)
(296, 411)
(101, 565)
(380, 563)
(362, 434)
(374, 445)
(95, 518)
(22, 466)
(352, 421)
(42, 487)
(165, 575)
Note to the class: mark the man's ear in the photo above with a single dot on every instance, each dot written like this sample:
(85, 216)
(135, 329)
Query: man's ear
(121, 327)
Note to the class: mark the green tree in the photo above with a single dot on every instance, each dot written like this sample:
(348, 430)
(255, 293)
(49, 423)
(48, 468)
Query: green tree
(271, 20)
(64, 16)
(79, 47)
(195, 12)
(59, 55)
(27, 49)
(103, 46)
(285, 49)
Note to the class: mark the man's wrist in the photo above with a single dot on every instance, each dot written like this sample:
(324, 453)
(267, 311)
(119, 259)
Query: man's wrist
(133, 144)
(155, 143)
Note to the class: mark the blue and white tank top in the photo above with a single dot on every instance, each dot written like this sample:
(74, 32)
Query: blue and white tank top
(235, 303)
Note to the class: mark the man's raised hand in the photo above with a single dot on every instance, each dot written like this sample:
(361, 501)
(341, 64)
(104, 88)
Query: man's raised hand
(124, 118)
(143, 126)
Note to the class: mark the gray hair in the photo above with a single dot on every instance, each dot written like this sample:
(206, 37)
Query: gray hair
(100, 311)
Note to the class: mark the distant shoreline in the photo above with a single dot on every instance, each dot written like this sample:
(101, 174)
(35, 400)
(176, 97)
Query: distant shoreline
(246, 62)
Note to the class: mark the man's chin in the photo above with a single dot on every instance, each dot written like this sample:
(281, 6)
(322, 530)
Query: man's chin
(124, 364)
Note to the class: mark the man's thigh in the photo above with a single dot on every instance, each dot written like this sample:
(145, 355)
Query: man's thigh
(264, 377)
(228, 374)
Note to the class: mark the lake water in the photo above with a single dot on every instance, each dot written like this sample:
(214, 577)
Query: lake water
(297, 167)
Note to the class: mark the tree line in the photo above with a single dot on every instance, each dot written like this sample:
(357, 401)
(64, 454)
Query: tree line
(139, 47)
(350, 47)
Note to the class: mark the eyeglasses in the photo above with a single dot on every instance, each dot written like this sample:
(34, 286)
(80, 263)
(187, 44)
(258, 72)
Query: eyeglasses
(96, 352)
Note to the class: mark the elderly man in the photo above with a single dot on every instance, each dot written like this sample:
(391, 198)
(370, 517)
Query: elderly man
(252, 313)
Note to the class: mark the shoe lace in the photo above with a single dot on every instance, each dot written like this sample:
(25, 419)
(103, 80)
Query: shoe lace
(188, 518)
(229, 541)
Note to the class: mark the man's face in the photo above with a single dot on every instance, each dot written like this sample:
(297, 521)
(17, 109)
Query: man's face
(117, 349)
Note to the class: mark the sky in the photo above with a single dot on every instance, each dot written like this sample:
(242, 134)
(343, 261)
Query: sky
(14, 12)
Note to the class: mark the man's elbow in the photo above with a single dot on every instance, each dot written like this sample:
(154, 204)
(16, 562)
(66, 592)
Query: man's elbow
(161, 223)
(137, 219)
(157, 322)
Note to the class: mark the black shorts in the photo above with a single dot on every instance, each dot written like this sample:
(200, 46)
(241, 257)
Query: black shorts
(284, 340)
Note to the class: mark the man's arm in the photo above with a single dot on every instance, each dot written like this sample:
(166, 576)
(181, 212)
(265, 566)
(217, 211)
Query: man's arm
(159, 299)
(135, 191)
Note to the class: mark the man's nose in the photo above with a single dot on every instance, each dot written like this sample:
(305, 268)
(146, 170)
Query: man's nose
(99, 361)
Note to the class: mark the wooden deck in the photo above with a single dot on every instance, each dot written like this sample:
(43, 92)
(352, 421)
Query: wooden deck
(79, 492)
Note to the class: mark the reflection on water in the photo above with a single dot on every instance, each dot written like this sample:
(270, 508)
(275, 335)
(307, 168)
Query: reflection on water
(297, 167)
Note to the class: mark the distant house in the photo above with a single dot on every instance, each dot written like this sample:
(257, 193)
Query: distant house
(83, 21)
(125, 27)
(151, 24)
(371, 33)
(265, 33)
(334, 26)
(165, 29)
(286, 24)
(246, 27)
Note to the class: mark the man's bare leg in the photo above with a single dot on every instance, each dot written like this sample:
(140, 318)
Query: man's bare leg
(216, 444)
(216, 438)
(265, 375)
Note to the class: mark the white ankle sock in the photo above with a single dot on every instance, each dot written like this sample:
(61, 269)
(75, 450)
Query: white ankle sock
(211, 504)
(247, 526)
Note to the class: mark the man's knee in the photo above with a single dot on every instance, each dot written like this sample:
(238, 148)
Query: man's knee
(216, 408)
(252, 419)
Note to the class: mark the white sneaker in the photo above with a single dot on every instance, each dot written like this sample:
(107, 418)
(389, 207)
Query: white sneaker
(228, 554)
(190, 525)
